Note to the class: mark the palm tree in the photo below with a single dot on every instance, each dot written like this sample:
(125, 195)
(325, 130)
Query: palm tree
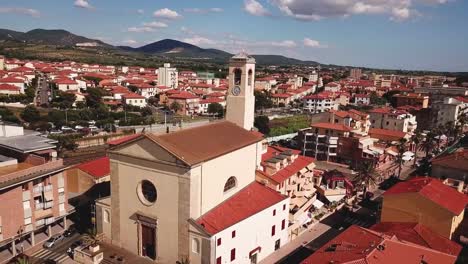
(428, 144)
(417, 139)
(367, 175)
(402, 148)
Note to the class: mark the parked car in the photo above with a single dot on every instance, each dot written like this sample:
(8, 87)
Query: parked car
(69, 232)
(53, 240)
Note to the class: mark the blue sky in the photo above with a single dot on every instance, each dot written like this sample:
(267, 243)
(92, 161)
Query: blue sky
(401, 34)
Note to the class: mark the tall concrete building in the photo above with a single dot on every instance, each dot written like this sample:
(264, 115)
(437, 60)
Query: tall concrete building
(355, 73)
(168, 76)
(240, 98)
(313, 77)
(2, 63)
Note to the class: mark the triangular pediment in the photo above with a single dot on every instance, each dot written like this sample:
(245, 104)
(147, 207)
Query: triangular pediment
(145, 148)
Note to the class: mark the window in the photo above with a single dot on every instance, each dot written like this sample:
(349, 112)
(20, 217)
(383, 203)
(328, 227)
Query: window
(250, 77)
(25, 186)
(27, 221)
(274, 212)
(237, 76)
(147, 192)
(233, 234)
(273, 229)
(283, 224)
(195, 246)
(233, 254)
(230, 184)
(106, 216)
(61, 207)
(218, 242)
(284, 207)
(218, 260)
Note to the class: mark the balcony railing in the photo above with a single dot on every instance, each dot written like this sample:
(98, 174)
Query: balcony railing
(27, 212)
(49, 220)
(40, 222)
(48, 205)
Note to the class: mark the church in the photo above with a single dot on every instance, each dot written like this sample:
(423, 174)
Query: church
(192, 194)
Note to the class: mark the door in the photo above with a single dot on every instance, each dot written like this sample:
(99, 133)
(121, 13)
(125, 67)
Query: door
(277, 244)
(148, 239)
(253, 259)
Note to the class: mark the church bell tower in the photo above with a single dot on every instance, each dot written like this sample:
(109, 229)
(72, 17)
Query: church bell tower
(240, 107)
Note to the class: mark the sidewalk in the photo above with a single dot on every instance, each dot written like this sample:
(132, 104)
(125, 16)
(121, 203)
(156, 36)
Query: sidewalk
(317, 230)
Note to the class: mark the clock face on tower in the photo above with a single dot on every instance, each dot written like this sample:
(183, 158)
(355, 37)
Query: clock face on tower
(236, 90)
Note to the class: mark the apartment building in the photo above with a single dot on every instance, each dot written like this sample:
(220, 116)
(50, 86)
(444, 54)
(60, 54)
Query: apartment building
(289, 173)
(321, 140)
(189, 102)
(410, 99)
(134, 99)
(393, 119)
(32, 190)
(438, 93)
(318, 103)
(168, 76)
(451, 109)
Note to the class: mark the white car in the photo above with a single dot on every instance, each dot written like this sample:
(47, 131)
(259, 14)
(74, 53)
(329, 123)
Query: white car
(53, 240)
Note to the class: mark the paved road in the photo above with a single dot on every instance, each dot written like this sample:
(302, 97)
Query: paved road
(57, 253)
(42, 91)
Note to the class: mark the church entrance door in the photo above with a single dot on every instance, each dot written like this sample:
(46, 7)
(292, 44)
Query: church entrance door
(148, 241)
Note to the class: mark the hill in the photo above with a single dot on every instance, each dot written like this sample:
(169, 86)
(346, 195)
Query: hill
(48, 36)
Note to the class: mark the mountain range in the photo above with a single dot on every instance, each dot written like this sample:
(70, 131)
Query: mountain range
(165, 47)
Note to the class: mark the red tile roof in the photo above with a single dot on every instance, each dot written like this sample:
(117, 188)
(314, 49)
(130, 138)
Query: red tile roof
(386, 134)
(132, 96)
(183, 95)
(297, 165)
(211, 100)
(8, 87)
(338, 127)
(11, 80)
(65, 81)
(433, 190)
(249, 201)
(122, 140)
(457, 160)
(358, 245)
(97, 168)
(418, 234)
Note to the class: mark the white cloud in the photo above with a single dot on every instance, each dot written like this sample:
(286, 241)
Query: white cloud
(313, 43)
(203, 10)
(254, 7)
(284, 44)
(140, 29)
(320, 9)
(199, 40)
(21, 11)
(166, 13)
(129, 42)
(140, 11)
(83, 4)
(155, 24)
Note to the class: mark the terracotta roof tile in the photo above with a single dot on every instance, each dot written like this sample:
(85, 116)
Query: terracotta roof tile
(249, 201)
(97, 168)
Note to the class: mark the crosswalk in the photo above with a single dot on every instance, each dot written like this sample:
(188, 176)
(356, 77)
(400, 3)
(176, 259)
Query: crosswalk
(45, 254)
(354, 221)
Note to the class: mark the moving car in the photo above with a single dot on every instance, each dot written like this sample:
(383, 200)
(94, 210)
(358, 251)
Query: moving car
(53, 240)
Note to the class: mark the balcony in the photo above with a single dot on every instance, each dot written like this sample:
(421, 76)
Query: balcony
(28, 228)
(27, 212)
(49, 220)
(26, 195)
(40, 222)
(37, 190)
(48, 205)
(43, 213)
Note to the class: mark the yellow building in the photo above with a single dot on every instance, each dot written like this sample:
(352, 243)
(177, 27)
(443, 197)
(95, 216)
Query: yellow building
(426, 201)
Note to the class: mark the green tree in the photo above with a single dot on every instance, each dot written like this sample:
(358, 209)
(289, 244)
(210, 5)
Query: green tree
(175, 106)
(402, 148)
(93, 99)
(376, 100)
(367, 176)
(216, 109)
(262, 123)
(428, 143)
(146, 111)
(64, 100)
(30, 114)
(262, 100)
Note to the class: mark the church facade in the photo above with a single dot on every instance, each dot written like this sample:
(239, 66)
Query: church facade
(192, 193)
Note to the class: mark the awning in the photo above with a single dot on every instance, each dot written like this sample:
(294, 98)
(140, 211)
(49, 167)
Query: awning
(334, 198)
(317, 204)
(408, 153)
(49, 196)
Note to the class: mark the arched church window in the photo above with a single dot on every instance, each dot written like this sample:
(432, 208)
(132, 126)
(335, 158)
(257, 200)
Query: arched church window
(250, 77)
(230, 184)
(195, 245)
(106, 216)
(237, 76)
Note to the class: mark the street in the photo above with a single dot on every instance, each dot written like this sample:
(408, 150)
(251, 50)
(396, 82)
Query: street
(57, 253)
(42, 91)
